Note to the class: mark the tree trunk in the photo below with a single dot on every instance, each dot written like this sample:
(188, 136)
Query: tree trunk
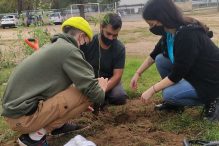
(20, 6)
(218, 5)
(56, 4)
(81, 9)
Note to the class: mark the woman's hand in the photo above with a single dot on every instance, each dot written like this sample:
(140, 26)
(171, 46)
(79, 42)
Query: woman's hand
(134, 81)
(147, 94)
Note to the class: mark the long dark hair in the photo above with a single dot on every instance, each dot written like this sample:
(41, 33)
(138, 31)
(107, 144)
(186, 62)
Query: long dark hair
(164, 11)
(190, 20)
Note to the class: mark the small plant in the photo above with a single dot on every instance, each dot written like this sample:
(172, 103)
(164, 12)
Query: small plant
(95, 19)
(42, 35)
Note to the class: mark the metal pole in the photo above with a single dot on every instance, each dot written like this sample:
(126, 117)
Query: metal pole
(99, 19)
(71, 11)
(98, 7)
(20, 6)
(217, 5)
(115, 7)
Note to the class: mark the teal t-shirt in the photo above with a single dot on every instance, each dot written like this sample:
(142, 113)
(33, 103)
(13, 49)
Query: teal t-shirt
(170, 43)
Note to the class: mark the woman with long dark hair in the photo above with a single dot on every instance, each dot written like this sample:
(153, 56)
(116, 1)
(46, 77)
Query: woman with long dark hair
(186, 58)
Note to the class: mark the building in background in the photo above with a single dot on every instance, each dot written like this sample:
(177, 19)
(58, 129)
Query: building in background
(132, 2)
(135, 6)
(127, 7)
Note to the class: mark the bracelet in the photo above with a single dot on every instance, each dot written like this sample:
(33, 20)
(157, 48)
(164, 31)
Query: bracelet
(154, 89)
(138, 73)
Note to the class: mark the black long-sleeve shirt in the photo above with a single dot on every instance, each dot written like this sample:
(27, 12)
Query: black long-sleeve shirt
(196, 60)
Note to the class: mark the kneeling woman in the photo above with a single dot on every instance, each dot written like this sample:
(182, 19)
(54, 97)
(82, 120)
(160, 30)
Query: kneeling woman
(190, 67)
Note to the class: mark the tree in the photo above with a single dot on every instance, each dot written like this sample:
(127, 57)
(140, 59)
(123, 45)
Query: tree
(19, 6)
(56, 4)
(7, 6)
(81, 7)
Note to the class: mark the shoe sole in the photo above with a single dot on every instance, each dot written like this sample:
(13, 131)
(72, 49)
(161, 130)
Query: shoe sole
(21, 143)
(75, 131)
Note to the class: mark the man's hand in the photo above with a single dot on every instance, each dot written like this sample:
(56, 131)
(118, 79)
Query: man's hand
(103, 82)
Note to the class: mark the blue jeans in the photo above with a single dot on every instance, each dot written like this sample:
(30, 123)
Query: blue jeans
(181, 93)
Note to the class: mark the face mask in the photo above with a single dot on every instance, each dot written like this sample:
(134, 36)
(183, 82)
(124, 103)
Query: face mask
(157, 30)
(84, 46)
(105, 40)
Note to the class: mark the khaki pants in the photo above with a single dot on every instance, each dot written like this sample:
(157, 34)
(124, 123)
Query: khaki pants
(52, 113)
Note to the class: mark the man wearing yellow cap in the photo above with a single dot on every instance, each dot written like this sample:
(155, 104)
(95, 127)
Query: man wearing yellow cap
(39, 98)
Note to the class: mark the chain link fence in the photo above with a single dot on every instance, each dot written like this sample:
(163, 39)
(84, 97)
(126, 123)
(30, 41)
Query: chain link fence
(200, 4)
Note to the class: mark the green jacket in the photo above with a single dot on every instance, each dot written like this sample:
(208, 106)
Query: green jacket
(47, 72)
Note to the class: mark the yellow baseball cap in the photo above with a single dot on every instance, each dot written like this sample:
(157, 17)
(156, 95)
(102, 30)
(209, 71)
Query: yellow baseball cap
(79, 23)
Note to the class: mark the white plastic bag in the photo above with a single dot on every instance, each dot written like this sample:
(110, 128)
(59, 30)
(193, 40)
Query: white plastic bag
(79, 140)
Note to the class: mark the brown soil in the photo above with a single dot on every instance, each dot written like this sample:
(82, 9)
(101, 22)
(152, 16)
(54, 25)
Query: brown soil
(132, 124)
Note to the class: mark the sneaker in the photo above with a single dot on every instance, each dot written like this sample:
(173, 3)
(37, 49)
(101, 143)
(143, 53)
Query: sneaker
(65, 129)
(169, 107)
(211, 110)
(25, 140)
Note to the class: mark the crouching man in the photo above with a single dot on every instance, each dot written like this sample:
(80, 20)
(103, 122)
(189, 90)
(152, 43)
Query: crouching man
(39, 98)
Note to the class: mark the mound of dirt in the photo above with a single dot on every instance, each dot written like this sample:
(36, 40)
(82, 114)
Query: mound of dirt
(133, 124)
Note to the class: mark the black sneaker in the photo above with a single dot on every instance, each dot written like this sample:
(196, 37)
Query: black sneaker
(25, 140)
(211, 110)
(65, 129)
(169, 107)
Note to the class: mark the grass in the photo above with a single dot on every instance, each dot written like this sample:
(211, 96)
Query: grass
(192, 127)
(4, 74)
(139, 33)
(188, 123)
(147, 79)
(5, 132)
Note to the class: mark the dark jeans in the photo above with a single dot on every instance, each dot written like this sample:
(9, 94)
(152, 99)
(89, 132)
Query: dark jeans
(116, 96)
